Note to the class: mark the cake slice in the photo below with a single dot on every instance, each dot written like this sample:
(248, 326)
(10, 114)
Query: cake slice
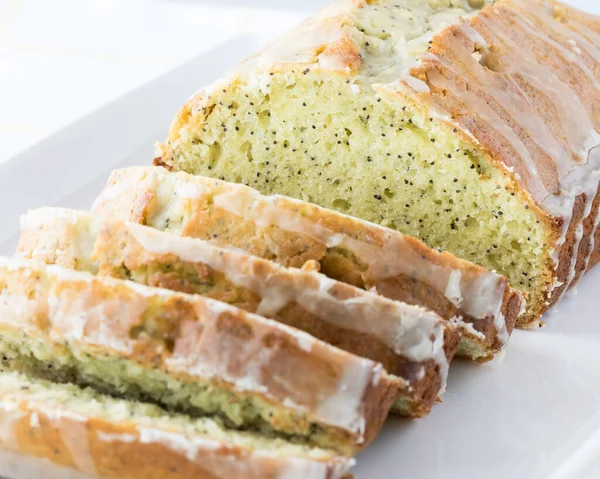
(470, 124)
(190, 354)
(61, 428)
(411, 343)
(292, 232)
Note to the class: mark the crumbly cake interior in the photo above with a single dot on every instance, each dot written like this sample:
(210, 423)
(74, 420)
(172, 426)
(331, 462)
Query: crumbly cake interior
(25, 389)
(344, 145)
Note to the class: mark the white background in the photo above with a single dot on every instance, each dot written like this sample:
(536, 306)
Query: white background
(62, 59)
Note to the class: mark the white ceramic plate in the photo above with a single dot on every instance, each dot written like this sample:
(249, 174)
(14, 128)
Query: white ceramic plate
(533, 413)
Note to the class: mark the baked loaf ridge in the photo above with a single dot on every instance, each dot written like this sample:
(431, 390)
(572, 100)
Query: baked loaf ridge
(79, 429)
(474, 129)
(188, 353)
(411, 343)
(293, 232)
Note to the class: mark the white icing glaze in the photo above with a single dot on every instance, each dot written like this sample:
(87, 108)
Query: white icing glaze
(15, 264)
(19, 311)
(474, 300)
(116, 188)
(189, 447)
(210, 455)
(40, 217)
(298, 468)
(355, 380)
(89, 316)
(19, 466)
(453, 287)
(10, 416)
(191, 191)
(299, 49)
(393, 34)
(122, 437)
(34, 421)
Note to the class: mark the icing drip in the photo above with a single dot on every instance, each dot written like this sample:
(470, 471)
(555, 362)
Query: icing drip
(10, 416)
(90, 316)
(189, 447)
(18, 466)
(467, 327)
(475, 302)
(354, 381)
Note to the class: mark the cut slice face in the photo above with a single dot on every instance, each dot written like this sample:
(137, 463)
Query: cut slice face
(77, 429)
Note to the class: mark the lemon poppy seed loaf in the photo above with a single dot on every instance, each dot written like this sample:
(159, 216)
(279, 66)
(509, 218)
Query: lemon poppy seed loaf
(472, 127)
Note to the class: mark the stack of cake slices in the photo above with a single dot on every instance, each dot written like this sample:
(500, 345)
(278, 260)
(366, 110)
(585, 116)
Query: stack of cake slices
(187, 326)
(224, 333)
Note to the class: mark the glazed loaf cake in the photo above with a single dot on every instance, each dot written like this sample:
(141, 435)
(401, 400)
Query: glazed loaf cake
(190, 354)
(293, 232)
(411, 343)
(474, 129)
(74, 429)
